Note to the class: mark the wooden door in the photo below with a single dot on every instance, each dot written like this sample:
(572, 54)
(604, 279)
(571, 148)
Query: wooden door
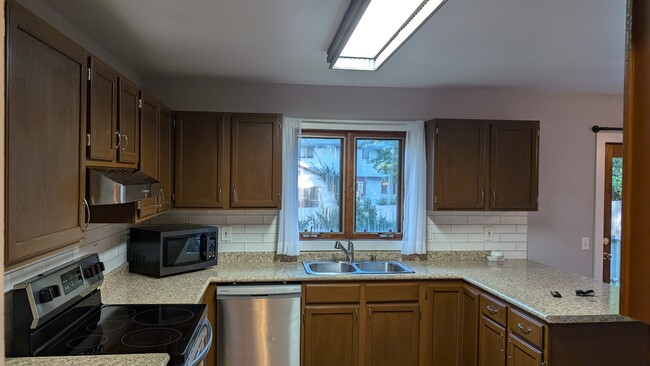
(45, 135)
(513, 165)
(492, 343)
(470, 323)
(128, 122)
(148, 150)
(612, 204)
(165, 158)
(255, 161)
(392, 334)
(442, 324)
(459, 164)
(102, 113)
(522, 354)
(200, 162)
(331, 335)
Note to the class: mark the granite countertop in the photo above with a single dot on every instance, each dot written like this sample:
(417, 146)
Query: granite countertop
(524, 283)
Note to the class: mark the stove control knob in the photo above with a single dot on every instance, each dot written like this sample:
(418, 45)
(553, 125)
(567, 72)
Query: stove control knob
(49, 293)
(100, 267)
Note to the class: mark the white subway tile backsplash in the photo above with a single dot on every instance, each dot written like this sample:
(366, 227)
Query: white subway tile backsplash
(270, 238)
(207, 219)
(500, 213)
(228, 247)
(170, 219)
(514, 237)
(262, 212)
(469, 246)
(484, 220)
(505, 229)
(450, 220)
(489, 245)
(522, 246)
(438, 246)
(261, 229)
(440, 229)
(467, 229)
(177, 211)
(238, 229)
(260, 247)
(511, 254)
(247, 238)
(522, 229)
(58, 260)
(514, 220)
(468, 213)
(245, 220)
(272, 220)
(450, 237)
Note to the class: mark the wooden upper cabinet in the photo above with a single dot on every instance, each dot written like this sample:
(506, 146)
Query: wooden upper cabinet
(514, 165)
(148, 150)
(165, 158)
(482, 165)
(200, 156)
(255, 161)
(102, 117)
(459, 160)
(45, 132)
(128, 122)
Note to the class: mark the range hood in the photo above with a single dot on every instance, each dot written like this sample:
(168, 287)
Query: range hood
(115, 186)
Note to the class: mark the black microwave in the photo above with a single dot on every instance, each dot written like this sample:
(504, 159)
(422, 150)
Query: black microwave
(165, 250)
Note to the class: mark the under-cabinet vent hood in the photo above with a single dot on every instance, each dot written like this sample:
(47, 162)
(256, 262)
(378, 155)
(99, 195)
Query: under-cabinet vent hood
(115, 186)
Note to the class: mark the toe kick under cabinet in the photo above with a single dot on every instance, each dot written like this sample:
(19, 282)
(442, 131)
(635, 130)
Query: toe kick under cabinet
(449, 322)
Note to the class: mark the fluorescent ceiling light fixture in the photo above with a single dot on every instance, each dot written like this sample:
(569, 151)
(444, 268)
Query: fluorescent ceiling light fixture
(372, 30)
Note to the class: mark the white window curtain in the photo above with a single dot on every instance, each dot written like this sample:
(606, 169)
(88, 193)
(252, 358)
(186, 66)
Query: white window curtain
(288, 236)
(415, 214)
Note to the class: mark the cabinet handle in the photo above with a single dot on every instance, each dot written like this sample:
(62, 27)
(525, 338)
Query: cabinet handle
(494, 198)
(501, 342)
(524, 329)
(426, 294)
(491, 309)
(87, 209)
(234, 195)
(119, 139)
(161, 198)
(356, 315)
(482, 197)
(219, 195)
(126, 138)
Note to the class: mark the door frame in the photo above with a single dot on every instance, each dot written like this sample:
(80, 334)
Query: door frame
(602, 138)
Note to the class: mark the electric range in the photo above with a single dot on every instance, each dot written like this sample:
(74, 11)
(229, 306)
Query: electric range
(59, 313)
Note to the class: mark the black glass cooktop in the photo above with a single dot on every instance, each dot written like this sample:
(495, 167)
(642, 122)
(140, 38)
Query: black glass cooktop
(119, 329)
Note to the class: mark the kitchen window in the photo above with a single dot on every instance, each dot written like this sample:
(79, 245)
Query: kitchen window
(358, 175)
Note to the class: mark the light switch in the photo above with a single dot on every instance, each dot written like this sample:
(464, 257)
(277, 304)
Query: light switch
(489, 233)
(585, 243)
(226, 233)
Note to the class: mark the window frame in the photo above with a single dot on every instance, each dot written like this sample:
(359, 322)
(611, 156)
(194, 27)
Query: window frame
(348, 183)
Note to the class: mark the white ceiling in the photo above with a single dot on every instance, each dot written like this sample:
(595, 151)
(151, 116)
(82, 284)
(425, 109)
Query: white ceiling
(543, 45)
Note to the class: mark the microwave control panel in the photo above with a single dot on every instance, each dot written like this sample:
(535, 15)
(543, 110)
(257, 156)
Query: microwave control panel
(211, 246)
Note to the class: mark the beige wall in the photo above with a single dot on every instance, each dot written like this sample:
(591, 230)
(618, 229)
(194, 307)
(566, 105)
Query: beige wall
(567, 148)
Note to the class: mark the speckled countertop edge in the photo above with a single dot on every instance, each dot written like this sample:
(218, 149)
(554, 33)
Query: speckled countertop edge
(525, 284)
(149, 359)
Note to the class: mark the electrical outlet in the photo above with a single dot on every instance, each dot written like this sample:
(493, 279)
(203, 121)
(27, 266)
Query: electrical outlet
(226, 233)
(489, 233)
(585, 243)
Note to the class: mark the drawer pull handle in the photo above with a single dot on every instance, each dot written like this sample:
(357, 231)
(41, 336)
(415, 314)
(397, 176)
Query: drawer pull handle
(491, 309)
(524, 329)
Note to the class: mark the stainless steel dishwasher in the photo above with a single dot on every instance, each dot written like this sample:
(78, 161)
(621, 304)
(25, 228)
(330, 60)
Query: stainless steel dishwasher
(258, 325)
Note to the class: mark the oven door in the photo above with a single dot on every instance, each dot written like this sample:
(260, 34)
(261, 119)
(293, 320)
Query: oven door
(184, 250)
(201, 346)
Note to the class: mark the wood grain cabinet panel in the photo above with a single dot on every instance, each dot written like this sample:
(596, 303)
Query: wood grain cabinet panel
(200, 156)
(45, 130)
(482, 165)
(469, 331)
(102, 111)
(148, 151)
(165, 158)
(392, 334)
(492, 343)
(128, 122)
(255, 161)
(522, 354)
(331, 335)
(442, 324)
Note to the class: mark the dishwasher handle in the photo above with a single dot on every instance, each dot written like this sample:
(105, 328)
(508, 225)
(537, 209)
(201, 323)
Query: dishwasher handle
(258, 291)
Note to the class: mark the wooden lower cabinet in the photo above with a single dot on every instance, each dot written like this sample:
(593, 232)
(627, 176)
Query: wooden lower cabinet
(470, 323)
(442, 323)
(331, 335)
(492, 343)
(521, 353)
(392, 335)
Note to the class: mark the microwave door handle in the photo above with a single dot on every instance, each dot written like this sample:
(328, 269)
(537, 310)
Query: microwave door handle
(204, 247)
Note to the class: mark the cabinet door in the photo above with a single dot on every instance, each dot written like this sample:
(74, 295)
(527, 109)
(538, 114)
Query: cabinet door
(459, 164)
(522, 354)
(513, 165)
(492, 343)
(199, 159)
(442, 327)
(128, 122)
(45, 135)
(165, 158)
(148, 150)
(102, 114)
(256, 161)
(331, 335)
(392, 335)
(470, 320)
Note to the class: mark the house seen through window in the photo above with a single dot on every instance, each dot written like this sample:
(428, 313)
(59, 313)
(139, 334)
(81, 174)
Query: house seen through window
(350, 184)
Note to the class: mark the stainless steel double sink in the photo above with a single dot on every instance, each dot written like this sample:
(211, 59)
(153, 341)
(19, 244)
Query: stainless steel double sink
(360, 267)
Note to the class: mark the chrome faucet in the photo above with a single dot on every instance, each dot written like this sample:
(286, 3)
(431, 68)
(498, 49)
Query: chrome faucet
(349, 252)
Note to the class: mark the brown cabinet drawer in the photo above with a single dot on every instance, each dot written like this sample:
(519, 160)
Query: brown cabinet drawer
(392, 292)
(526, 328)
(332, 293)
(493, 309)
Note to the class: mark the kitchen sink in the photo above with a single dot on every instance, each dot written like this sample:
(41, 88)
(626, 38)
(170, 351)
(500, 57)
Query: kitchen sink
(370, 267)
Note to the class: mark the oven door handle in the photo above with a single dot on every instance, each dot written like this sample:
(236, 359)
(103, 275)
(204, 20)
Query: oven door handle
(204, 352)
